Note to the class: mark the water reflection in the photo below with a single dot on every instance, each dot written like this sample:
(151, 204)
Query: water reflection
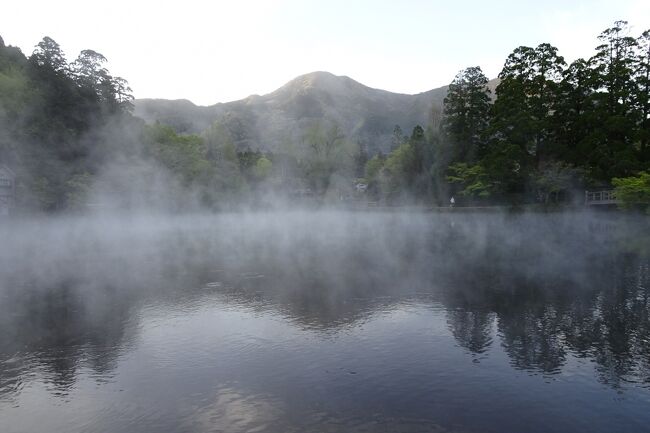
(472, 329)
(604, 319)
(53, 333)
(548, 292)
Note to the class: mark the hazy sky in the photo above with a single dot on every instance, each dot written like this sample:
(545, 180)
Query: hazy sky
(217, 51)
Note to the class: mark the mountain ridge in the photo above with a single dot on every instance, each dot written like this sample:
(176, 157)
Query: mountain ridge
(266, 122)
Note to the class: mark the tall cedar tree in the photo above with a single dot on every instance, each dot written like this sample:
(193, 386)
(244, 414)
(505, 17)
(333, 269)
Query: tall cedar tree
(466, 115)
(642, 94)
(521, 126)
(613, 88)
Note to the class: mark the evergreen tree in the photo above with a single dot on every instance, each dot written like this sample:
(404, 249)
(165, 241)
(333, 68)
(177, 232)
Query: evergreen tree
(573, 116)
(642, 94)
(526, 97)
(615, 116)
(48, 54)
(613, 67)
(521, 127)
(466, 114)
(397, 138)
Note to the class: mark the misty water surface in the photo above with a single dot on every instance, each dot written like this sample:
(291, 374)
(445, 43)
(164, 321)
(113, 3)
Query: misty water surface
(325, 321)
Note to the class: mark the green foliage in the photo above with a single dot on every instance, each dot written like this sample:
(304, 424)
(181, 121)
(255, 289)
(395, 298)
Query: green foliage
(404, 174)
(612, 112)
(373, 167)
(553, 125)
(14, 98)
(551, 128)
(554, 178)
(373, 172)
(474, 180)
(328, 153)
(263, 168)
(184, 155)
(642, 94)
(14, 89)
(526, 97)
(467, 109)
(228, 179)
(219, 143)
(48, 55)
(397, 138)
(51, 124)
(399, 171)
(634, 190)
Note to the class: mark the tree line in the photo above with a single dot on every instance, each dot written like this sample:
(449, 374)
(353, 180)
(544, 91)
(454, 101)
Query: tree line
(68, 132)
(52, 116)
(549, 129)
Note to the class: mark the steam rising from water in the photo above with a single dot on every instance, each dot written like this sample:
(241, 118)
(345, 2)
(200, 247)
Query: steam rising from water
(317, 264)
(115, 251)
(243, 312)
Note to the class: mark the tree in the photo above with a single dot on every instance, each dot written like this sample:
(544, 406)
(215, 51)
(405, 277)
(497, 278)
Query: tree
(91, 74)
(121, 96)
(398, 172)
(642, 93)
(613, 67)
(553, 179)
(397, 138)
(374, 167)
(522, 126)
(263, 168)
(418, 142)
(474, 180)
(634, 190)
(328, 153)
(89, 69)
(526, 97)
(466, 114)
(14, 99)
(48, 54)
(222, 154)
(574, 122)
(184, 155)
(360, 159)
(613, 88)
(423, 158)
(373, 175)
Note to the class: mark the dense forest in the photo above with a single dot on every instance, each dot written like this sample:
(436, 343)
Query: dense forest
(549, 131)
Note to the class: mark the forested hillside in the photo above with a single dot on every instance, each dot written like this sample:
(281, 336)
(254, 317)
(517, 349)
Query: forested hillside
(67, 131)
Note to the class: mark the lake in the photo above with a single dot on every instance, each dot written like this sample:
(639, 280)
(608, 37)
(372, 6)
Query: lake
(326, 321)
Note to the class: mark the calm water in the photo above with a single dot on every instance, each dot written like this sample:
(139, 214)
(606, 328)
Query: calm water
(326, 322)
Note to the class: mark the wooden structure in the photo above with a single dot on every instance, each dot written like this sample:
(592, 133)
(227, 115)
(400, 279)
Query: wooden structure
(7, 190)
(594, 198)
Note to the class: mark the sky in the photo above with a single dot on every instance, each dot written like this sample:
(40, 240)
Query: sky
(219, 51)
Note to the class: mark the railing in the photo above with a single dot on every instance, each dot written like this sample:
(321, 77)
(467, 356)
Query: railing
(600, 197)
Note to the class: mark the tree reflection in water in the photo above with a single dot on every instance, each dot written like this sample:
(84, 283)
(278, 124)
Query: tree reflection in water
(543, 292)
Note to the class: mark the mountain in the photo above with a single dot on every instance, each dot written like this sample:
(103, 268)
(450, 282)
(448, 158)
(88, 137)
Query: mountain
(267, 122)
